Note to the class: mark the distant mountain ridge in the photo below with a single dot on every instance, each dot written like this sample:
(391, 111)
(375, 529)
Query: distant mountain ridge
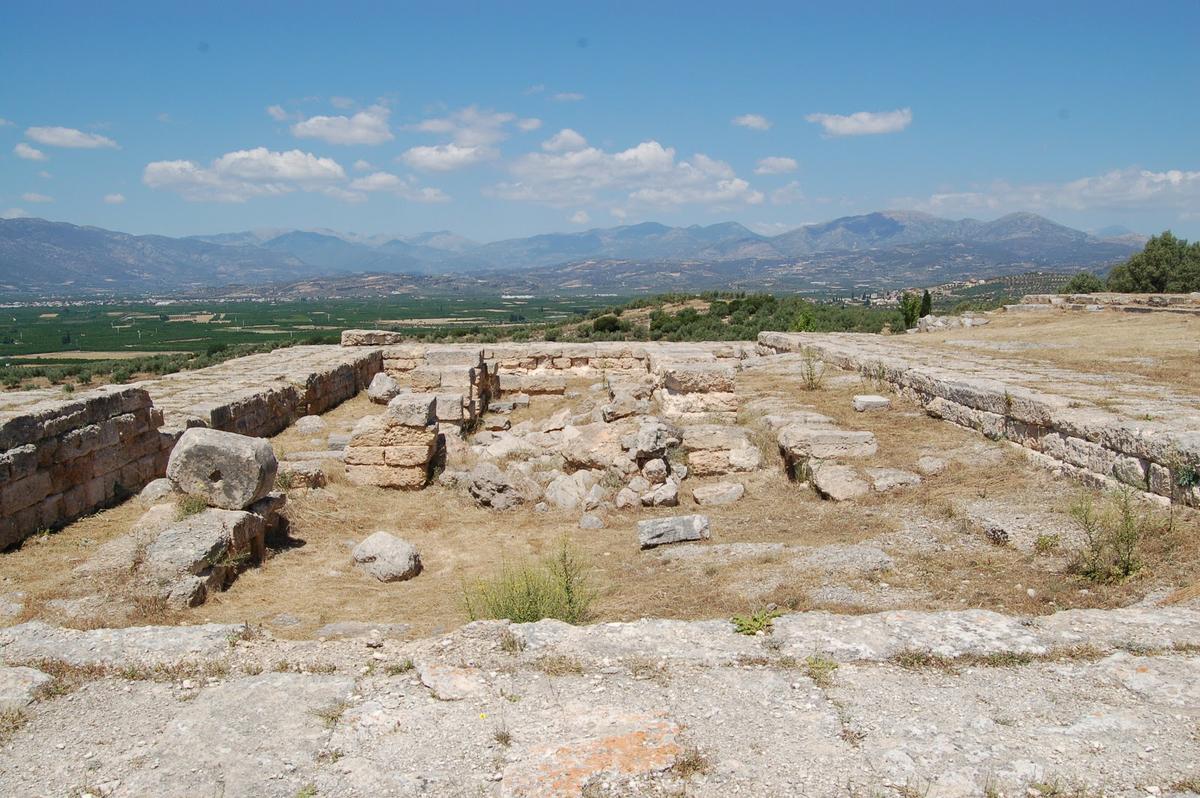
(40, 255)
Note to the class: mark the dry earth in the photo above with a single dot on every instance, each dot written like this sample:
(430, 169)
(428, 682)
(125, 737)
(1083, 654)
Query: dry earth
(927, 640)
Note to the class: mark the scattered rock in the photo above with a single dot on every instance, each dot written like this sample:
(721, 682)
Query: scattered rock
(226, 470)
(627, 499)
(157, 491)
(302, 474)
(450, 682)
(718, 493)
(310, 425)
(665, 495)
(838, 482)
(19, 686)
(498, 489)
(655, 471)
(661, 531)
(387, 557)
(931, 466)
(885, 479)
(591, 521)
(864, 403)
(383, 389)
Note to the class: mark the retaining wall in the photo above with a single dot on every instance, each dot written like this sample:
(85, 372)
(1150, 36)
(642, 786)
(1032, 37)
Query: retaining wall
(1137, 434)
(63, 456)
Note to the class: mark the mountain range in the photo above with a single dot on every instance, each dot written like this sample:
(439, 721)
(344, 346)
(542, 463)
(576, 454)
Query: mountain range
(886, 248)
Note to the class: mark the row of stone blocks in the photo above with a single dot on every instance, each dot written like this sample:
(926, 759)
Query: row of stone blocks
(62, 459)
(1098, 447)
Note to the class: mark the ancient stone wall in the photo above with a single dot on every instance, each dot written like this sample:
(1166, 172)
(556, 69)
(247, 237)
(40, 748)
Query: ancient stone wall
(1132, 303)
(62, 457)
(1136, 434)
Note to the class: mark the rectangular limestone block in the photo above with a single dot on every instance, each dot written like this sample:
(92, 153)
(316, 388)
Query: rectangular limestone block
(371, 337)
(537, 383)
(409, 478)
(375, 431)
(699, 378)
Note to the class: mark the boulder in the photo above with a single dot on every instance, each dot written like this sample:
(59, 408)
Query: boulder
(655, 471)
(224, 469)
(661, 531)
(864, 403)
(699, 378)
(838, 482)
(652, 439)
(310, 425)
(156, 491)
(665, 495)
(571, 491)
(626, 499)
(719, 493)
(624, 405)
(387, 557)
(500, 490)
(383, 389)
(202, 552)
(591, 521)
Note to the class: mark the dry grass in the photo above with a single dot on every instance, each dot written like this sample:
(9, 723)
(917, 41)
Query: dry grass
(1162, 347)
(313, 578)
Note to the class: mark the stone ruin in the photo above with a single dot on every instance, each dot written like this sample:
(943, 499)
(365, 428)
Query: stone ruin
(650, 707)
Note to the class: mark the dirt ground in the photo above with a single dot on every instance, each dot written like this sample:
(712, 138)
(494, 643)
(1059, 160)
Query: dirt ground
(1163, 347)
(826, 554)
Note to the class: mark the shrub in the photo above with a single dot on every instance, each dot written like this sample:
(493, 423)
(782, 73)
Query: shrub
(1113, 537)
(910, 306)
(755, 622)
(189, 505)
(812, 370)
(556, 587)
(1084, 283)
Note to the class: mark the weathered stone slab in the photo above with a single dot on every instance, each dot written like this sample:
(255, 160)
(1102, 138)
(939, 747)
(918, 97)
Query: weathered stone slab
(662, 531)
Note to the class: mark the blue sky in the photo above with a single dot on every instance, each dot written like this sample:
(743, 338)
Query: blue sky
(497, 120)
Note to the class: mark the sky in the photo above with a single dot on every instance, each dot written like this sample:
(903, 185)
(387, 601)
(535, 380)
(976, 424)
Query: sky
(500, 120)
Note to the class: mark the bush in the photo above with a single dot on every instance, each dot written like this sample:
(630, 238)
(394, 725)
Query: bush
(606, 324)
(1166, 265)
(1084, 283)
(556, 587)
(1113, 537)
(910, 306)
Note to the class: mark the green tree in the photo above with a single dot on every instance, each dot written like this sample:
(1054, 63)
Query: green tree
(910, 306)
(1084, 283)
(1166, 265)
(926, 304)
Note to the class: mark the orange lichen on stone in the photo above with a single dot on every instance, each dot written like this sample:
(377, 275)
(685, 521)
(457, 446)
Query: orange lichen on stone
(638, 745)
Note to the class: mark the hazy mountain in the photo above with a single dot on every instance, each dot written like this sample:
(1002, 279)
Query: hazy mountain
(890, 247)
(37, 255)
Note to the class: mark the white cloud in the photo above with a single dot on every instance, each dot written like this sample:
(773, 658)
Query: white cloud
(470, 126)
(565, 140)
(341, 103)
(567, 97)
(14, 213)
(114, 199)
(164, 117)
(527, 125)
(5, 123)
(362, 166)
(786, 195)
(68, 137)
(572, 173)
(33, 196)
(775, 165)
(369, 126)
(618, 213)
(277, 113)
(536, 89)
(403, 187)
(863, 123)
(23, 150)
(446, 157)
(1119, 189)
(580, 217)
(243, 174)
(45, 174)
(752, 121)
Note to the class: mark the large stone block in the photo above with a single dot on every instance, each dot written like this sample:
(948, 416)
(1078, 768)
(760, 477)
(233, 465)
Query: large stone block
(227, 470)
